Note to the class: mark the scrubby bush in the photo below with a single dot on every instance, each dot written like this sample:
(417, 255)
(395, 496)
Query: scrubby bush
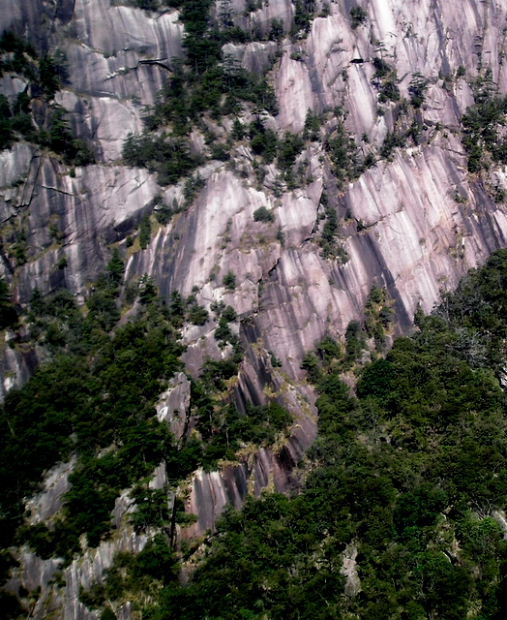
(229, 314)
(229, 281)
(198, 315)
(145, 232)
(263, 214)
(8, 313)
(482, 132)
(358, 17)
(169, 157)
(263, 141)
(417, 90)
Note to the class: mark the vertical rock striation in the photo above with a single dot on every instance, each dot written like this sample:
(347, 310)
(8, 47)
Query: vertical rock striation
(413, 222)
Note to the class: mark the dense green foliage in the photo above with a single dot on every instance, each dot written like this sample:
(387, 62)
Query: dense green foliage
(206, 86)
(98, 391)
(264, 141)
(483, 137)
(386, 81)
(304, 11)
(343, 153)
(263, 214)
(146, 5)
(329, 238)
(45, 76)
(218, 90)
(170, 158)
(230, 280)
(417, 90)
(408, 473)
(94, 402)
(145, 232)
(207, 82)
(8, 313)
(358, 16)
(59, 137)
(17, 56)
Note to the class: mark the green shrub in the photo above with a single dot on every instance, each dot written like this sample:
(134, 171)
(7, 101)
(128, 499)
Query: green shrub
(115, 268)
(389, 91)
(223, 332)
(238, 130)
(355, 341)
(145, 232)
(146, 5)
(229, 281)
(108, 614)
(198, 315)
(262, 214)
(229, 314)
(60, 139)
(328, 240)
(45, 76)
(288, 149)
(417, 90)
(170, 158)
(164, 214)
(382, 68)
(312, 127)
(8, 313)
(152, 509)
(263, 141)
(304, 10)
(482, 132)
(277, 31)
(391, 142)
(343, 153)
(220, 152)
(193, 185)
(358, 16)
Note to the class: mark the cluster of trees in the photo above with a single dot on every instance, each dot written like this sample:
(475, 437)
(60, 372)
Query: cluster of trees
(99, 390)
(407, 474)
(386, 78)
(223, 30)
(343, 152)
(483, 136)
(303, 15)
(45, 76)
(44, 73)
(358, 17)
(95, 400)
(170, 158)
(217, 89)
(8, 311)
(329, 238)
(206, 82)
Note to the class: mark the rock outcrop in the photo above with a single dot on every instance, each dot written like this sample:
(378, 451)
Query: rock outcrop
(413, 222)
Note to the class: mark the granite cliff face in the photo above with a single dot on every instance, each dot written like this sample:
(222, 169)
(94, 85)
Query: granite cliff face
(412, 222)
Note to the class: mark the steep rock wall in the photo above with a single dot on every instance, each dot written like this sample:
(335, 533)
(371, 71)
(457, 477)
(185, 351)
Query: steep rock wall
(413, 223)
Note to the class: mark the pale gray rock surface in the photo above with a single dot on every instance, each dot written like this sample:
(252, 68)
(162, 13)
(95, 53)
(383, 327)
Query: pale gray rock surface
(413, 224)
(174, 405)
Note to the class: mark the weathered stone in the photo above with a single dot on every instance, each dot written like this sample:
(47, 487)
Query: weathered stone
(413, 224)
(174, 405)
